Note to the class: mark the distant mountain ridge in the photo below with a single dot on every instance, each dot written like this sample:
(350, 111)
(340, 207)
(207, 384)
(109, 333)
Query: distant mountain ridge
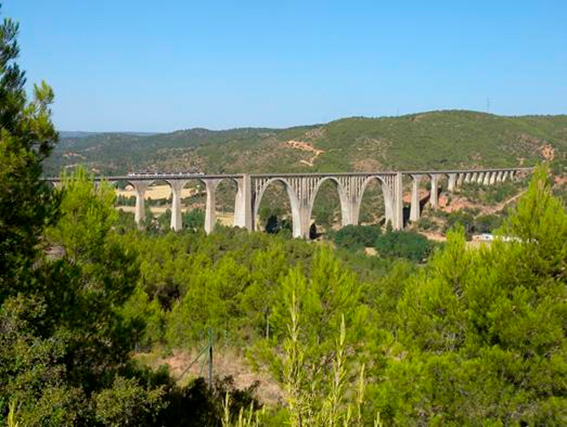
(81, 134)
(430, 140)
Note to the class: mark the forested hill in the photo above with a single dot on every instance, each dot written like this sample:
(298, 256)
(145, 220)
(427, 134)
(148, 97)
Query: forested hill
(443, 139)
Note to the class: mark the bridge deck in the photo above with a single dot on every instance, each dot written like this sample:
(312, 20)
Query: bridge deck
(179, 176)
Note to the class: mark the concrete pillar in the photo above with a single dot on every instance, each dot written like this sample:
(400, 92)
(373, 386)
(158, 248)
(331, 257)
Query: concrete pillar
(434, 193)
(478, 177)
(304, 223)
(305, 208)
(499, 176)
(505, 175)
(210, 208)
(298, 220)
(397, 201)
(140, 188)
(176, 217)
(299, 214)
(388, 204)
(452, 182)
(414, 210)
(468, 177)
(243, 208)
(460, 179)
(492, 179)
(486, 180)
(353, 211)
(348, 214)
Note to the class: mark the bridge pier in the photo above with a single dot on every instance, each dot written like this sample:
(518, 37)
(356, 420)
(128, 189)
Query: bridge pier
(176, 215)
(452, 182)
(210, 207)
(243, 208)
(397, 200)
(415, 208)
(305, 222)
(434, 193)
(352, 213)
(140, 188)
(387, 194)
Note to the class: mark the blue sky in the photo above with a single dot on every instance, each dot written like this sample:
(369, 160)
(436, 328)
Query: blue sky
(137, 65)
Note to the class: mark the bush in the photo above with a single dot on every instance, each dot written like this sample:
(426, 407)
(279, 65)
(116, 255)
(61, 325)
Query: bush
(464, 217)
(194, 219)
(426, 223)
(487, 223)
(357, 237)
(404, 244)
(276, 225)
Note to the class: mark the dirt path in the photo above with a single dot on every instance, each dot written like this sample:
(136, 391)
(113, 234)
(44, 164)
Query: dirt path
(306, 146)
(227, 362)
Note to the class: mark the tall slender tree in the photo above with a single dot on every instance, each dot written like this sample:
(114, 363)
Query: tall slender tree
(27, 136)
(63, 345)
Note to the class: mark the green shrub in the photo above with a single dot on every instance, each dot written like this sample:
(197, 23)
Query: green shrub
(487, 223)
(357, 237)
(404, 244)
(426, 223)
(194, 219)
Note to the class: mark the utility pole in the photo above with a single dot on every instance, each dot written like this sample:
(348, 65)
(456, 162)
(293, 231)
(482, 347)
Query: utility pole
(211, 357)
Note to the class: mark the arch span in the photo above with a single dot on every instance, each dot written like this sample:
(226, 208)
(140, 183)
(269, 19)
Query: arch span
(228, 188)
(293, 200)
(387, 195)
(345, 206)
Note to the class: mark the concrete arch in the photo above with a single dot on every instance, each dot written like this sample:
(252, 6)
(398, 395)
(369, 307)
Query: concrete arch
(293, 200)
(177, 186)
(236, 184)
(127, 182)
(346, 211)
(386, 194)
(435, 187)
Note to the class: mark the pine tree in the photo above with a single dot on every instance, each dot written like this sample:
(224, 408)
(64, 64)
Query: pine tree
(483, 331)
(27, 136)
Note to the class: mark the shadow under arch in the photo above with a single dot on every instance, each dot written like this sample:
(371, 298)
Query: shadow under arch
(293, 199)
(386, 197)
(125, 193)
(225, 188)
(195, 197)
(343, 200)
(191, 194)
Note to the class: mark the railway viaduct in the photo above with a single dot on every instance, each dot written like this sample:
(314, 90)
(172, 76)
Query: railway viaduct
(302, 189)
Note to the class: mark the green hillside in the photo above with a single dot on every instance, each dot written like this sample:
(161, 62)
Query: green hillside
(440, 139)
